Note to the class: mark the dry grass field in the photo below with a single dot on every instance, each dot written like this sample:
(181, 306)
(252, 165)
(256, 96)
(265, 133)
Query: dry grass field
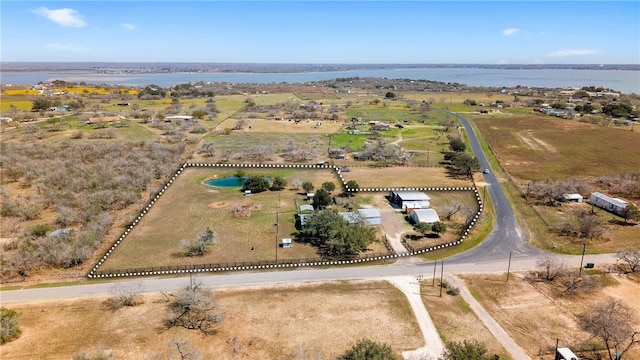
(535, 315)
(281, 322)
(259, 126)
(189, 206)
(368, 177)
(538, 148)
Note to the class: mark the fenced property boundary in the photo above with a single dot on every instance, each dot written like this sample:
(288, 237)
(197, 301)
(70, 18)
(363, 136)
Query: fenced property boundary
(287, 263)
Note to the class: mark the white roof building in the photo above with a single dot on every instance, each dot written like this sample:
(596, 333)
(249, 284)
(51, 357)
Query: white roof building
(410, 199)
(428, 216)
(608, 203)
(371, 216)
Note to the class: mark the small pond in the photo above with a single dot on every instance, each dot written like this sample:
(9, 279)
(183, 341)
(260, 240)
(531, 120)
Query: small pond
(230, 182)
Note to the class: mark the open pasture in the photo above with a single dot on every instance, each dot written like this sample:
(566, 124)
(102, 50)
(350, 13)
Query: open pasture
(537, 148)
(189, 206)
(369, 177)
(268, 323)
(259, 125)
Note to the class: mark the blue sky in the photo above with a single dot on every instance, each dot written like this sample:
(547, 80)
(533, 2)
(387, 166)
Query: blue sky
(429, 32)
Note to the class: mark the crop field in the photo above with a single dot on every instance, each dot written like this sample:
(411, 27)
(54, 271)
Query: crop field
(537, 148)
(189, 206)
(267, 323)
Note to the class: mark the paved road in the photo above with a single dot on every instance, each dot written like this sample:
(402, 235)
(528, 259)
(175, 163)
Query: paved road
(506, 236)
(248, 279)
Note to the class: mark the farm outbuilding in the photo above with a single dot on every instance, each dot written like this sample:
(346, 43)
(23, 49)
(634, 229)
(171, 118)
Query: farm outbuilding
(371, 216)
(286, 243)
(409, 200)
(608, 203)
(573, 198)
(428, 216)
(306, 207)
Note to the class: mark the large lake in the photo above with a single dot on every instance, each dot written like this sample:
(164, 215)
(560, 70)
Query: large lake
(627, 81)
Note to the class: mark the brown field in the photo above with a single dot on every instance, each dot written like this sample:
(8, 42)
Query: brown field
(535, 316)
(538, 148)
(269, 323)
(390, 177)
(283, 126)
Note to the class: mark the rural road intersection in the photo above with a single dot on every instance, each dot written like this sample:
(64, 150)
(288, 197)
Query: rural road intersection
(491, 256)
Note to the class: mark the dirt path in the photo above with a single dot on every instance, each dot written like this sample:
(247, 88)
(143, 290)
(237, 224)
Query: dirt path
(433, 344)
(393, 228)
(509, 344)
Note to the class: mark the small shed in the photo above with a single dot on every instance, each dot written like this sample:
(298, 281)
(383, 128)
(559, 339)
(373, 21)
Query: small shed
(247, 192)
(286, 243)
(310, 196)
(573, 198)
(565, 353)
(371, 216)
(428, 216)
(306, 207)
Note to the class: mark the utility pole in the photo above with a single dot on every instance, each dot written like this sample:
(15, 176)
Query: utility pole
(277, 228)
(435, 263)
(584, 249)
(441, 275)
(509, 267)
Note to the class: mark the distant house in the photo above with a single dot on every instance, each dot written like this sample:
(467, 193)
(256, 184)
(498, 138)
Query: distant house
(573, 198)
(109, 119)
(428, 216)
(409, 200)
(177, 117)
(608, 203)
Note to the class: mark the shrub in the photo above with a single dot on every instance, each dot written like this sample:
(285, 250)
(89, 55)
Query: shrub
(9, 326)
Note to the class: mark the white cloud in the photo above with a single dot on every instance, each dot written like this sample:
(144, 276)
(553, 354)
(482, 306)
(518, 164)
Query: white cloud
(570, 52)
(128, 26)
(62, 17)
(502, 62)
(66, 47)
(510, 31)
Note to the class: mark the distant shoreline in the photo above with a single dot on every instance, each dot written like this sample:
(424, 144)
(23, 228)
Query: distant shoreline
(159, 68)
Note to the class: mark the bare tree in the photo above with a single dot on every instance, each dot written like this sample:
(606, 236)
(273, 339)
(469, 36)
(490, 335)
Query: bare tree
(452, 208)
(550, 269)
(589, 226)
(195, 309)
(614, 323)
(208, 149)
(124, 295)
(200, 244)
(631, 257)
(183, 349)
